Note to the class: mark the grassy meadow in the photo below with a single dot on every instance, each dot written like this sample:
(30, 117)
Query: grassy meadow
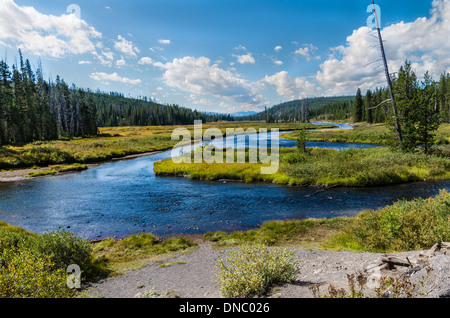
(323, 167)
(112, 143)
(366, 133)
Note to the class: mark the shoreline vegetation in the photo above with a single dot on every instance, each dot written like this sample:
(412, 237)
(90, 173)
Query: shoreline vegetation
(116, 143)
(401, 227)
(121, 143)
(326, 168)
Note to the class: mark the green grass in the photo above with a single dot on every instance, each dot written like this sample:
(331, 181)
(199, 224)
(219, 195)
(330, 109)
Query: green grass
(365, 133)
(130, 252)
(322, 167)
(403, 226)
(310, 233)
(59, 169)
(113, 143)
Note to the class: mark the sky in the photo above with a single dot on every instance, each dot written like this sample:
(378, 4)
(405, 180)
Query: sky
(225, 56)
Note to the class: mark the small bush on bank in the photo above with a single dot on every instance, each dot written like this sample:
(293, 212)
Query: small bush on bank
(25, 274)
(253, 269)
(64, 248)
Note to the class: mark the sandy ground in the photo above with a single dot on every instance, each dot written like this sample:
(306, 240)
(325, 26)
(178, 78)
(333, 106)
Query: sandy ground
(194, 275)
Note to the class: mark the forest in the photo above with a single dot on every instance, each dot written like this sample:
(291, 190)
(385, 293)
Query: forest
(35, 109)
(114, 110)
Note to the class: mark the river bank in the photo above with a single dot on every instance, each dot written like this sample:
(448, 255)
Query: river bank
(193, 275)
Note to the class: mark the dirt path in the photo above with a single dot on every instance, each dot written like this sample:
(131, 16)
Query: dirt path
(193, 275)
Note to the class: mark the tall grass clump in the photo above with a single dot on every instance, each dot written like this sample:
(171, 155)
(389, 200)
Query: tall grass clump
(403, 226)
(252, 270)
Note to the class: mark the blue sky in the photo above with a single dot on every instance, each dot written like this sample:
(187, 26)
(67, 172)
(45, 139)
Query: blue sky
(224, 55)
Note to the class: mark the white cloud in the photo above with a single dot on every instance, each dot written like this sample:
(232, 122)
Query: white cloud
(107, 78)
(240, 47)
(121, 62)
(105, 58)
(198, 76)
(278, 48)
(84, 62)
(164, 42)
(278, 62)
(145, 61)
(245, 59)
(45, 35)
(291, 89)
(424, 42)
(307, 51)
(126, 47)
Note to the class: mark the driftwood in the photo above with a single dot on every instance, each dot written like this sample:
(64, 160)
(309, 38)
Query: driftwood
(415, 263)
(396, 261)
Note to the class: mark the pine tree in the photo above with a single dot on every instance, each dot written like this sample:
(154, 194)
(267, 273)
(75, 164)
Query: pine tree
(428, 118)
(358, 107)
(368, 106)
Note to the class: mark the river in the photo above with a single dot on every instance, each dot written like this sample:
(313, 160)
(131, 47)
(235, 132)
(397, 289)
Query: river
(120, 198)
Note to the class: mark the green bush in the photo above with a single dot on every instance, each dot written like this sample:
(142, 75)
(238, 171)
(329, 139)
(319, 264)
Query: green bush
(24, 274)
(403, 226)
(64, 248)
(253, 269)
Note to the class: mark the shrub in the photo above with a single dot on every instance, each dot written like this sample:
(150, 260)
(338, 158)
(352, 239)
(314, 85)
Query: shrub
(403, 226)
(64, 248)
(24, 274)
(253, 269)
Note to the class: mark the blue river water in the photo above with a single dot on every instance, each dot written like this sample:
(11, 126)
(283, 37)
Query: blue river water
(120, 198)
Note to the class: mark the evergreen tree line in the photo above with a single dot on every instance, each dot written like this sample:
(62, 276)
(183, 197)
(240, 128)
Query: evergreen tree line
(299, 110)
(421, 107)
(114, 110)
(33, 109)
(410, 94)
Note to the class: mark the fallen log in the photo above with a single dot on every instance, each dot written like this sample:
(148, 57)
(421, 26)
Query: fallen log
(392, 261)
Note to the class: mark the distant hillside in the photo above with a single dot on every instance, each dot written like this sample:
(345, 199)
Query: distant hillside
(113, 109)
(292, 111)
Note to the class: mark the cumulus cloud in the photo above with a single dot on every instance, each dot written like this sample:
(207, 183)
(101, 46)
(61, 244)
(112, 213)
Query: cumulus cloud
(164, 42)
(105, 58)
(107, 78)
(46, 35)
(245, 59)
(121, 62)
(290, 88)
(147, 61)
(424, 42)
(278, 48)
(126, 47)
(307, 51)
(198, 76)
